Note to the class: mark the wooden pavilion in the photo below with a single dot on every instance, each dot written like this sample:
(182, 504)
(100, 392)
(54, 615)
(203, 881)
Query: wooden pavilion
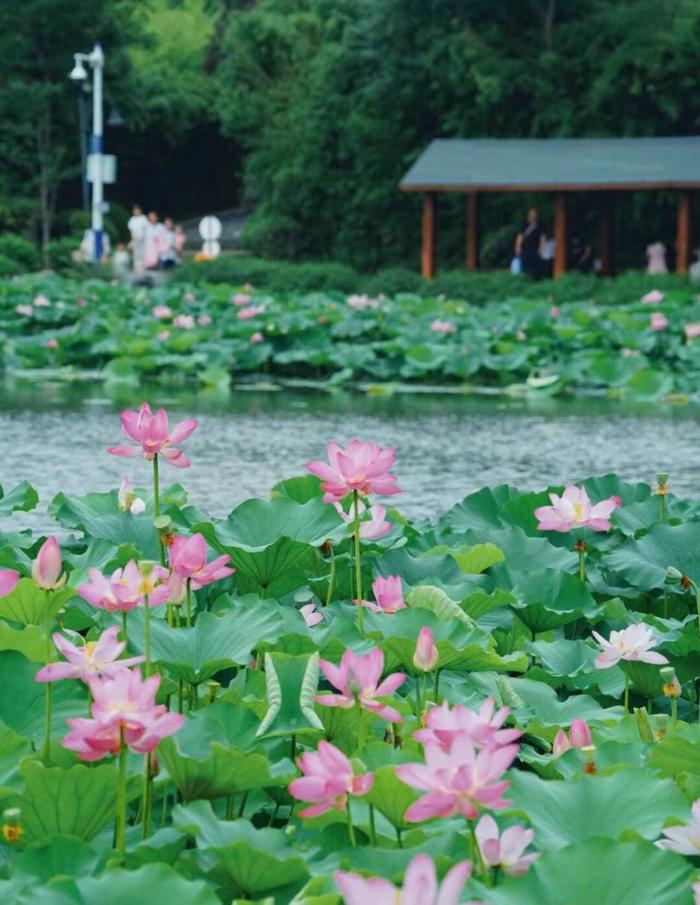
(603, 165)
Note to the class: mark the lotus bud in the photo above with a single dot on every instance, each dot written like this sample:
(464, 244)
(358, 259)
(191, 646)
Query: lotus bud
(673, 575)
(589, 754)
(213, 687)
(672, 687)
(661, 482)
(11, 828)
(580, 734)
(561, 744)
(426, 656)
(46, 570)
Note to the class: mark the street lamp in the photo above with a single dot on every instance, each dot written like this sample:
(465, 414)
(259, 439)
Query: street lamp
(78, 74)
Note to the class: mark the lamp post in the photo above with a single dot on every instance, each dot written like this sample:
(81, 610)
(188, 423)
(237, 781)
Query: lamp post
(79, 74)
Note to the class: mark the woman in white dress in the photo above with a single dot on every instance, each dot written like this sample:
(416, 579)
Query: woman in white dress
(138, 227)
(656, 257)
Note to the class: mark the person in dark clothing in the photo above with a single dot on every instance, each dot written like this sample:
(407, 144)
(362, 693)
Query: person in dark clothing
(529, 243)
(580, 255)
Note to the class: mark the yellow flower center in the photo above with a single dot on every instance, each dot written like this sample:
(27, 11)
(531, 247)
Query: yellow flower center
(578, 512)
(11, 833)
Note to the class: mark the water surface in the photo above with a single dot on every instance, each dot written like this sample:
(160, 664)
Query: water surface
(55, 435)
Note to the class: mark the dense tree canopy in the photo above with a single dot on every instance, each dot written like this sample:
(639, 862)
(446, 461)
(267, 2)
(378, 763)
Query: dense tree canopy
(309, 111)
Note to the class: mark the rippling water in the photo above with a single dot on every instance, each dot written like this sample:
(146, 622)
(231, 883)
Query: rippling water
(55, 436)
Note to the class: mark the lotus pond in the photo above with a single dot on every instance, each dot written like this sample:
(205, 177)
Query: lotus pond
(639, 347)
(315, 699)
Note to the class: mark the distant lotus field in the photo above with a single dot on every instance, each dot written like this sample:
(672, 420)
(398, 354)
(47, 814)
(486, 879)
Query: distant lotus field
(629, 346)
(317, 701)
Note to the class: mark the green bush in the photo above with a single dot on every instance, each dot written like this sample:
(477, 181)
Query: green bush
(392, 281)
(20, 251)
(8, 267)
(61, 251)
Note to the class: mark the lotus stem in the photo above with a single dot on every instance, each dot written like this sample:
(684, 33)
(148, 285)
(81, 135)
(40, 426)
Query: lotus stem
(241, 807)
(156, 507)
(188, 603)
(674, 713)
(418, 707)
(47, 699)
(399, 840)
(331, 579)
(147, 634)
(180, 694)
(627, 693)
(358, 562)
(582, 564)
(436, 686)
(372, 828)
(125, 631)
(351, 828)
(475, 852)
(229, 808)
(121, 797)
(147, 798)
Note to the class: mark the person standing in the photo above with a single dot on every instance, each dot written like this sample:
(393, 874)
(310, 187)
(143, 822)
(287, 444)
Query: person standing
(168, 256)
(180, 240)
(138, 227)
(155, 241)
(529, 244)
(656, 257)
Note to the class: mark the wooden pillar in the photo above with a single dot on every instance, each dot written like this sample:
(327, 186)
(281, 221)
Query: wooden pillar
(472, 226)
(560, 238)
(607, 267)
(428, 262)
(683, 235)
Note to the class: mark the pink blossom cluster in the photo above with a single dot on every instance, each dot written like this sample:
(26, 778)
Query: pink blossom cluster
(152, 435)
(466, 753)
(361, 466)
(357, 681)
(574, 509)
(245, 314)
(123, 712)
(327, 780)
(438, 326)
(578, 736)
(360, 302)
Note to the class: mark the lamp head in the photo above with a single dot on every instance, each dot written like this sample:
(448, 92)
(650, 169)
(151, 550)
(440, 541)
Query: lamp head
(78, 73)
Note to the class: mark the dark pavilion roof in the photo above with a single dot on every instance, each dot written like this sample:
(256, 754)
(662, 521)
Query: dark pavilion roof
(543, 164)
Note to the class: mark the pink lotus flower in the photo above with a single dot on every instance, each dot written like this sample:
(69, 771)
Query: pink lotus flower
(521, 336)
(376, 527)
(507, 850)
(123, 707)
(573, 509)
(240, 298)
(357, 680)
(128, 500)
(439, 326)
(151, 433)
(91, 658)
(658, 321)
(554, 311)
(579, 737)
(684, 839)
(257, 337)
(696, 893)
(629, 353)
(691, 330)
(426, 656)
(248, 287)
(127, 588)
(361, 467)
(25, 310)
(360, 302)
(632, 643)
(311, 616)
(388, 593)
(653, 297)
(327, 781)
(420, 885)
(184, 322)
(160, 312)
(482, 728)
(46, 569)
(40, 301)
(8, 581)
(52, 343)
(188, 297)
(459, 781)
(204, 320)
(188, 560)
(81, 303)
(245, 314)
(163, 335)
